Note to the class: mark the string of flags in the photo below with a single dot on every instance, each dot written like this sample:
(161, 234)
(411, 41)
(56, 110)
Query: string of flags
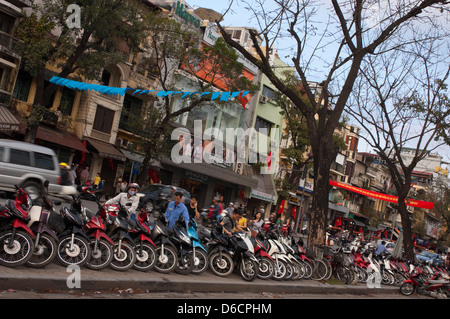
(110, 90)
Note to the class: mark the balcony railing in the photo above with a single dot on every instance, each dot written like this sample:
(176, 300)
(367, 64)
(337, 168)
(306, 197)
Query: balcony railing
(7, 42)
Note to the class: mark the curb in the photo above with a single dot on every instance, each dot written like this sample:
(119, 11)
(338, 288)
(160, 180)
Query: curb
(59, 278)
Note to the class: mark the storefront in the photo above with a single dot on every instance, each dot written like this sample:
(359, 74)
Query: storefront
(107, 160)
(208, 181)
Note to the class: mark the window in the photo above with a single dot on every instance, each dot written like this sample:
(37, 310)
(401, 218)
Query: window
(19, 157)
(131, 111)
(268, 92)
(103, 119)
(262, 123)
(44, 161)
(22, 86)
(67, 99)
(2, 151)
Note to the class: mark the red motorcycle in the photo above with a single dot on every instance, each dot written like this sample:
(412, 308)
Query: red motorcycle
(439, 289)
(145, 247)
(101, 245)
(16, 238)
(266, 263)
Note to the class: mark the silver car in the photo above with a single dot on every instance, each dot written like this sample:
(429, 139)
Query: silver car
(28, 166)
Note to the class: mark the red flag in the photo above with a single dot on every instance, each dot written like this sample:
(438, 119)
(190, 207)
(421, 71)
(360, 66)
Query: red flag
(281, 209)
(294, 211)
(243, 100)
(83, 154)
(269, 159)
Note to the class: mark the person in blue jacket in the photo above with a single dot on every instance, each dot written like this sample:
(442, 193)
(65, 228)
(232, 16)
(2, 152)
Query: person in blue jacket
(175, 209)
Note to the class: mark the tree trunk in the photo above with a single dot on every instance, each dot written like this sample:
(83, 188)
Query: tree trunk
(319, 211)
(408, 245)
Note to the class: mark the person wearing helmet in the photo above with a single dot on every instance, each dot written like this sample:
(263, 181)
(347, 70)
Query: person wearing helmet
(128, 197)
(66, 175)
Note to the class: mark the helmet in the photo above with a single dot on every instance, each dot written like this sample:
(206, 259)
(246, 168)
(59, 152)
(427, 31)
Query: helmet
(63, 164)
(133, 185)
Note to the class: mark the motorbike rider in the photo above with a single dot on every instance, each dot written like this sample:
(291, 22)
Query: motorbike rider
(130, 196)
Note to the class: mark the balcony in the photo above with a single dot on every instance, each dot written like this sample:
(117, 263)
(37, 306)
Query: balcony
(7, 42)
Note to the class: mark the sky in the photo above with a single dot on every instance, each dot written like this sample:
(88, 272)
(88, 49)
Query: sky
(239, 16)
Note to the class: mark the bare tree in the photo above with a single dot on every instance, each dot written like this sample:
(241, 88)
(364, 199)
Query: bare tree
(401, 102)
(328, 48)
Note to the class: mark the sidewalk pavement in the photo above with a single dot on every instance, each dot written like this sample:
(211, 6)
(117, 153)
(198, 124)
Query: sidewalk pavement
(56, 277)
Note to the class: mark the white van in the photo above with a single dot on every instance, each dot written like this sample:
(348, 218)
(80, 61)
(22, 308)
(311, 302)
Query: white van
(28, 166)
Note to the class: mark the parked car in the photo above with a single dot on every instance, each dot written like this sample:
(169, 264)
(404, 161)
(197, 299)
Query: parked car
(161, 195)
(429, 257)
(28, 166)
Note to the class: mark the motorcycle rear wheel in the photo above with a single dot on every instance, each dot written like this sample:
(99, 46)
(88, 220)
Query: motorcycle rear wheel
(21, 250)
(407, 289)
(102, 257)
(44, 253)
(124, 259)
(79, 255)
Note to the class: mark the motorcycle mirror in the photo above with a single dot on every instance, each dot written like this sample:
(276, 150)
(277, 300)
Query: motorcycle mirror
(46, 184)
(79, 189)
(107, 196)
(128, 204)
(57, 203)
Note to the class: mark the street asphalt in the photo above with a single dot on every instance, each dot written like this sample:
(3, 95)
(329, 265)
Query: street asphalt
(56, 277)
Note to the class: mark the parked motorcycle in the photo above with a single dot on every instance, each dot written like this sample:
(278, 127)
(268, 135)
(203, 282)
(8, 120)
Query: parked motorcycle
(179, 237)
(266, 263)
(199, 253)
(434, 288)
(16, 238)
(243, 255)
(220, 259)
(89, 192)
(102, 246)
(124, 255)
(74, 245)
(166, 252)
(42, 213)
(145, 247)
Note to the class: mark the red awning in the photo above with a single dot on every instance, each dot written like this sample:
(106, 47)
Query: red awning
(60, 137)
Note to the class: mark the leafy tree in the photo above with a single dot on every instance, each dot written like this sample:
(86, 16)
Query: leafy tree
(177, 56)
(338, 41)
(46, 38)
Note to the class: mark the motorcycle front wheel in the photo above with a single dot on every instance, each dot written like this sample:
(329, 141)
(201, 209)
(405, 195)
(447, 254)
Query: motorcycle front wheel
(221, 264)
(167, 259)
(248, 269)
(17, 252)
(124, 258)
(145, 257)
(44, 252)
(100, 257)
(407, 289)
(200, 261)
(185, 264)
(266, 268)
(76, 254)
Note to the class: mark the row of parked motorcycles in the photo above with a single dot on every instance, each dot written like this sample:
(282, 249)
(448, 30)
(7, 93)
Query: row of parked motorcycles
(356, 261)
(35, 233)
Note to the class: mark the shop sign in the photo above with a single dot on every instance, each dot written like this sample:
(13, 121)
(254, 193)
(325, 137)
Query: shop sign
(186, 16)
(261, 195)
(196, 176)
